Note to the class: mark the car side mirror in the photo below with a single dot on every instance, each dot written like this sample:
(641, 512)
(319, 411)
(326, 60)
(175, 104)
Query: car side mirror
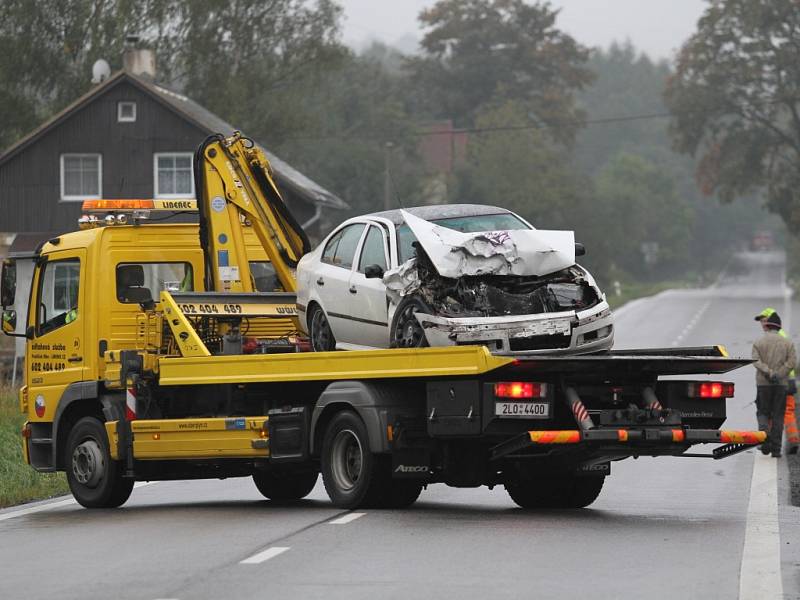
(9, 321)
(580, 249)
(373, 271)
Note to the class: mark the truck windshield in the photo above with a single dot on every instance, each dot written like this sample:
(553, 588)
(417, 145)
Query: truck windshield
(468, 224)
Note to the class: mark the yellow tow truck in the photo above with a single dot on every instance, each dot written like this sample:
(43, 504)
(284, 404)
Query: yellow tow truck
(160, 350)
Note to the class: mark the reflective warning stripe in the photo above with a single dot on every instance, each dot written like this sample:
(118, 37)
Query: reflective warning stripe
(790, 422)
(742, 437)
(555, 437)
(130, 405)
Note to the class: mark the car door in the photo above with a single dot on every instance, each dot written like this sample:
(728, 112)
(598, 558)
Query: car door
(58, 315)
(368, 303)
(332, 280)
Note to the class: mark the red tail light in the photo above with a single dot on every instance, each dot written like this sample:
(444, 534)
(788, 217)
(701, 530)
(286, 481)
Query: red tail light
(710, 389)
(519, 390)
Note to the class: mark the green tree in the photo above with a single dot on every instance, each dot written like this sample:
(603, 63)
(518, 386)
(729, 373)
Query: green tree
(481, 50)
(245, 59)
(522, 170)
(353, 111)
(734, 97)
(641, 216)
(250, 60)
(47, 50)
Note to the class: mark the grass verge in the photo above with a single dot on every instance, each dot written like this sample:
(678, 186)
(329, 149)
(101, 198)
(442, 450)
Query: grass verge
(632, 291)
(19, 482)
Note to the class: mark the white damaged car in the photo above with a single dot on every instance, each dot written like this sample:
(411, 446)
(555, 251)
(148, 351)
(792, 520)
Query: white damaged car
(451, 275)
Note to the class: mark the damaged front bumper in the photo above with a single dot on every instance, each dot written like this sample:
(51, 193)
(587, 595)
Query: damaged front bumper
(570, 332)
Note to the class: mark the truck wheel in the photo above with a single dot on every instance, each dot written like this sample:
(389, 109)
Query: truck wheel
(285, 487)
(561, 492)
(322, 339)
(94, 479)
(406, 332)
(400, 494)
(351, 473)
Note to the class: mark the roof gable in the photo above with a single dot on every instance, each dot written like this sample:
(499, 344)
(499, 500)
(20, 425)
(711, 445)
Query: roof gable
(191, 111)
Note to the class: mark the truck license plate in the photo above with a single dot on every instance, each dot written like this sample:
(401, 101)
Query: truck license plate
(525, 410)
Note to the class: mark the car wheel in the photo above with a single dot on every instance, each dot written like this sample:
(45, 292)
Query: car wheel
(322, 339)
(285, 487)
(352, 475)
(406, 331)
(95, 480)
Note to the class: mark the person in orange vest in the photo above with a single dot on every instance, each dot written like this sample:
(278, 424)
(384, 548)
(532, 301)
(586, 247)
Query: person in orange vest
(790, 418)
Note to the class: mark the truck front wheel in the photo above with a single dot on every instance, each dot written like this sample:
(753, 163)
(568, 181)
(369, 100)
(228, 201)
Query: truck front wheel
(351, 473)
(95, 480)
(285, 487)
(555, 492)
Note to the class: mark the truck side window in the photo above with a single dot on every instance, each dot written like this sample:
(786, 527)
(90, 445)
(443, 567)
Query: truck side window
(142, 282)
(373, 252)
(341, 248)
(59, 284)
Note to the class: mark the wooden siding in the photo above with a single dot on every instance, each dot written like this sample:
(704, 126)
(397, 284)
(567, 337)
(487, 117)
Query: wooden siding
(30, 181)
(30, 192)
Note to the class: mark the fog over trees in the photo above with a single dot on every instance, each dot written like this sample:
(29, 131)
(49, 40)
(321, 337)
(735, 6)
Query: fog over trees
(568, 136)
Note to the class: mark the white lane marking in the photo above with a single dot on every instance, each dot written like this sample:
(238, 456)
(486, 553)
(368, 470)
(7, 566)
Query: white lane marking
(264, 556)
(692, 322)
(51, 505)
(760, 575)
(346, 519)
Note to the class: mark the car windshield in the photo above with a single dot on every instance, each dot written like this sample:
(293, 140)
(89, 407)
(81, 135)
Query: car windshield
(468, 224)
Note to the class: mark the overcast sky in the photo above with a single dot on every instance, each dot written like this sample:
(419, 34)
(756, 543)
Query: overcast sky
(657, 27)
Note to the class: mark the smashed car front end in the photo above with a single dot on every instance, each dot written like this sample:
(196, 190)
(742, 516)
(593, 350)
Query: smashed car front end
(571, 332)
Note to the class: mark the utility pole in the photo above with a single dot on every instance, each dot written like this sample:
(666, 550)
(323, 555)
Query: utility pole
(387, 178)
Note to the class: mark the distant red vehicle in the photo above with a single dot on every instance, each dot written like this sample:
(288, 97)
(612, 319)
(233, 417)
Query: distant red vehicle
(762, 241)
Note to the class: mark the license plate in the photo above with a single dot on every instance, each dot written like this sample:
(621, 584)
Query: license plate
(525, 410)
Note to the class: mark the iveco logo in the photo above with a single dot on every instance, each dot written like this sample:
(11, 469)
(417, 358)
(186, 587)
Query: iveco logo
(411, 469)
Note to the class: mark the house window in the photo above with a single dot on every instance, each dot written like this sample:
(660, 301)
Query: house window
(126, 112)
(173, 175)
(81, 176)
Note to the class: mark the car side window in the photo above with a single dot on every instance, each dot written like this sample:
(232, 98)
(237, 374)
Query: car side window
(373, 252)
(405, 239)
(341, 248)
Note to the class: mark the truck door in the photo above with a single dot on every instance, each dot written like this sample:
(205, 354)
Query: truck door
(57, 352)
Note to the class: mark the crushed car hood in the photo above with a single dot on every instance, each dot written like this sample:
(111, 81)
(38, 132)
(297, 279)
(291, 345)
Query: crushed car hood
(523, 252)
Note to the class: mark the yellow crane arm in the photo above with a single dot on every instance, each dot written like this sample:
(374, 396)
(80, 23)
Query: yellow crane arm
(235, 189)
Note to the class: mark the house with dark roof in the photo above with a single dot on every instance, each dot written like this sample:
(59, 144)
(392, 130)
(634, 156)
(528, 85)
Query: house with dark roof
(128, 137)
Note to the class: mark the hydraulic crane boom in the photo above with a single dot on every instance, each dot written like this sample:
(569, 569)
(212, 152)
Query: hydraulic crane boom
(235, 189)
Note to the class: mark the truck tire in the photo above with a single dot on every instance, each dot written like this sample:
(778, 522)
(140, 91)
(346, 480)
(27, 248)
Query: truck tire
(285, 487)
(406, 332)
(319, 330)
(555, 492)
(95, 480)
(353, 476)
(399, 493)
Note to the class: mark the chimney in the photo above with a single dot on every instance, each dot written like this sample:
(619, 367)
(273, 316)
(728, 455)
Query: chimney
(138, 61)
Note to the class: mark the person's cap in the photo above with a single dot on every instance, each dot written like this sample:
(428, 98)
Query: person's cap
(765, 314)
(774, 321)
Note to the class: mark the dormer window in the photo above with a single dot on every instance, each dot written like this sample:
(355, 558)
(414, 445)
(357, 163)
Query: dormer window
(126, 112)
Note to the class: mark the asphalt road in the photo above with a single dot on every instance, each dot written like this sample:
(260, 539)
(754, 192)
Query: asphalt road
(662, 528)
